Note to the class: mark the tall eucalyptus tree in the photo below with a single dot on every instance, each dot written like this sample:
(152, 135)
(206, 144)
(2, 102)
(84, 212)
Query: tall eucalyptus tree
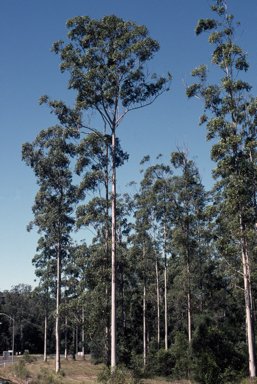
(46, 272)
(50, 156)
(93, 164)
(233, 122)
(106, 59)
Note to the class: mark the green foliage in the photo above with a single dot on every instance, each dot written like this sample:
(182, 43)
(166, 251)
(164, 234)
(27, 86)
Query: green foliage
(215, 358)
(20, 370)
(28, 358)
(165, 362)
(122, 375)
(22, 304)
(136, 362)
(180, 351)
(46, 377)
(233, 125)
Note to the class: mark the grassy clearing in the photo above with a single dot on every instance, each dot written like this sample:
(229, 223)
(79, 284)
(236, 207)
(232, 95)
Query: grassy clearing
(40, 372)
(72, 372)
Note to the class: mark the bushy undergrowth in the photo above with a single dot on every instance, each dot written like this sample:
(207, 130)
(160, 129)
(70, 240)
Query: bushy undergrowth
(46, 377)
(20, 370)
(210, 358)
(122, 376)
(29, 358)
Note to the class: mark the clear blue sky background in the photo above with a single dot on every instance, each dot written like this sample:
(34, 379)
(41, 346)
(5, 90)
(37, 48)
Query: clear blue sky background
(29, 70)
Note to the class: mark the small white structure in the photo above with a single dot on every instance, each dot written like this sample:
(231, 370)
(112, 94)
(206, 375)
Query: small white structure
(6, 355)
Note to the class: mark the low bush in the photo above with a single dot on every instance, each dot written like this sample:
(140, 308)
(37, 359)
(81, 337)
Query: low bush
(122, 376)
(29, 358)
(20, 369)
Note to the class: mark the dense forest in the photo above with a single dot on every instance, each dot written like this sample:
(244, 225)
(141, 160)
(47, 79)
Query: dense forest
(167, 284)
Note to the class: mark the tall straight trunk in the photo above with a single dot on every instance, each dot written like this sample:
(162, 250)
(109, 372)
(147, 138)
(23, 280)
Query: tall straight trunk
(144, 312)
(246, 273)
(83, 332)
(107, 309)
(58, 297)
(248, 316)
(113, 314)
(251, 297)
(165, 286)
(46, 319)
(158, 299)
(157, 287)
(200, 267)
(247, 299)
(77, 339)
(65, 340)
(107, 328)
(73, 345)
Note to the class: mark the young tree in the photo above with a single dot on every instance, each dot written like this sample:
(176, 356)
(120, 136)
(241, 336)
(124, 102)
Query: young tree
(46, 272)
(49, 156)
(188, 199)
(233, 121)
(106, 59)
(157, 184)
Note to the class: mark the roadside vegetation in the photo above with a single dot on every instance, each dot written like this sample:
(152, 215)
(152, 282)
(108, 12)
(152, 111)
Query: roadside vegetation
(82, 371)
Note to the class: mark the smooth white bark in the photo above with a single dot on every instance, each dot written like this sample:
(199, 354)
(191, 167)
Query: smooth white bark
(113, 313)
(45, 336)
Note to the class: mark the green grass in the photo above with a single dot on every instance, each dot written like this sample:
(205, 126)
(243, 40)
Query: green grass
(72, 372)
(40, 372)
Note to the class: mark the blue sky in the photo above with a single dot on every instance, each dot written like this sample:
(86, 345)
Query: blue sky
(29, 70)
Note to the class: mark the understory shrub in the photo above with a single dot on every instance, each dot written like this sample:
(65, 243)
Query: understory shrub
(29, 358)
(122, 376)
(216, 358)
(20, 370)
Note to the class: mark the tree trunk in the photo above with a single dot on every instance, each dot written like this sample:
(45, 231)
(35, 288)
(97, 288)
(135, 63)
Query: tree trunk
(73, 345)
(107, 328)
(77, 339)
(247, 300)
(158, 299)
(251, 298)
(157, 287)
(45, 335)
(107, 309)
(113, 318)
(246, 274)
(83, 333)
(66, 345)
